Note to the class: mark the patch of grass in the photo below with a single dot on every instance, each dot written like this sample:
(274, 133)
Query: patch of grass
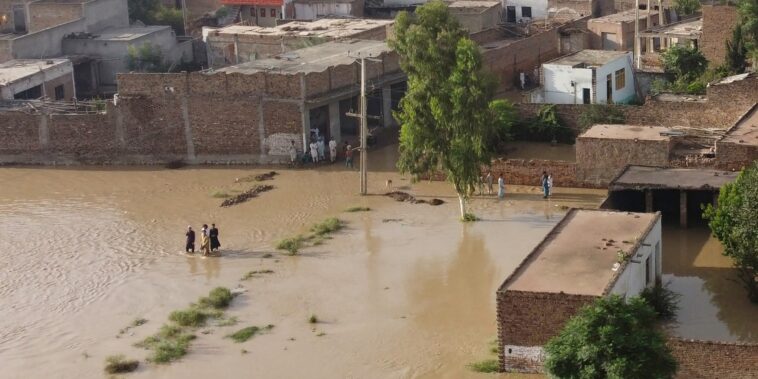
(358, 209)
(170, 350)
(469, 217)
(328, 226)
(193, 317)
(228, 321)
(138, 322)
(255, 273)
(220, 194)
(117, 364)
(291, 245)
(245, 334)
(494, 347)
(267, 255)
(313, 319)
(485, 366)
(218, 298)
(320, 334)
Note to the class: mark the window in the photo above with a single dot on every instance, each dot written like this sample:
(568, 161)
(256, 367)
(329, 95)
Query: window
(273, 12)
(620, 79)
(648, 270)
(263, 12)
(526, 12)
(60, 93)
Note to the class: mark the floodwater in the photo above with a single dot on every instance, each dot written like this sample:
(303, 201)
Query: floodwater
(540, 150)
(405, 291)
(713, 305)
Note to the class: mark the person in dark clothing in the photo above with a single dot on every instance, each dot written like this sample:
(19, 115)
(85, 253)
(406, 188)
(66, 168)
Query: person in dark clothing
(215, 244)
(190, 246)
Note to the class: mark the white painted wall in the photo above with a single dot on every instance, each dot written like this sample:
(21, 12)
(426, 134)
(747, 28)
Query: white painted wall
(9, 90)
(623, 95)
(539, 8)
(557, 83)
(632, 280)
(396, 3)
(312, 11)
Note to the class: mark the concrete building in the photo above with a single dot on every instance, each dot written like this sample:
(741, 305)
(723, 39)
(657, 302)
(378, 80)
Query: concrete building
(739, 147)
(661, 37)
(569, 269)
(677, 193)
(256, 12)
(525, 11)
(47, 22)
(588, 77)
(476, 16)
(616, 31)
(325, 79)
(26, 79)
(106, 52)
(315, 9)
(239, 44)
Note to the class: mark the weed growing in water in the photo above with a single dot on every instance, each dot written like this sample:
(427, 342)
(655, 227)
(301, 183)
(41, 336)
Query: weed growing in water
(663, 300)
(469, 217)
(189, 317)
(220, 195)
(245, 334)
(138, 322)
(313, 319)
(291, 245)
(485, 366)
(228, 321)
(255, 273)
(358, 209)
(218, 298)
(117, 364)
(327, 226)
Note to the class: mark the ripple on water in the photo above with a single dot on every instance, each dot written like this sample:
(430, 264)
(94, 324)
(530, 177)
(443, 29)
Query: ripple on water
(56, 258)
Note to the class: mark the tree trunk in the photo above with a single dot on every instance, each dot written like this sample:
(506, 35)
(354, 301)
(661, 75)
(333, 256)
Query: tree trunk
(462, 201)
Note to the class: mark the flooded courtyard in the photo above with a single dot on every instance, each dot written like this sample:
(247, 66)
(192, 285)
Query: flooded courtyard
(404, 291)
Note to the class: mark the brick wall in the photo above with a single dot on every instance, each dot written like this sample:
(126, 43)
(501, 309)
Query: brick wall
(718, 22)
(601, 159)
(20, 133)
(707, 359)
(528, 172)
(507, 60)
(527, 320)
(734, 156)
(48, 14)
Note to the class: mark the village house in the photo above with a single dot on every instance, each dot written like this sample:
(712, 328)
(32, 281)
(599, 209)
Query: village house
(315, 9)
(476, 16)
(739, 146)
(587, 77)
(616, 31)
(525, 11)
(255, 12)
(569, 269)
(25, 79)
(659, 38)
(236, 44)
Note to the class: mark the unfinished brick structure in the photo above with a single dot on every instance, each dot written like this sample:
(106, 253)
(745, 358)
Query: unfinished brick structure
(718, 24)
(739, 147)
(568, 270)
(244, 115)
(239, 43)
(616, 31)
(710, 359)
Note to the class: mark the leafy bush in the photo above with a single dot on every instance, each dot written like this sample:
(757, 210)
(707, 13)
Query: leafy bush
(117, 364)
(189, 317)
(504, 116)
(245, 334)
(663, 300)
(145, 58)
(291, 245)
(485, 366)
(171, 349)
(218, 298)
(686, 7)
(600, 114)
(327, 226)
(169, 16)
(545, 126)
(685, 62)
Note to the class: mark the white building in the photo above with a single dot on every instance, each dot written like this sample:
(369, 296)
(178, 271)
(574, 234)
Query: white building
(524, 10)
(27, 79)
(588, 77)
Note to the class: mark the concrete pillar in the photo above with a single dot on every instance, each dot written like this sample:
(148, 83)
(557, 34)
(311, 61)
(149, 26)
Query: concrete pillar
(648, 201)
(683, 208)
(44, 131)
(334, 122)
(658, 262)
(188, 130)
(306, 125)
(387, 107)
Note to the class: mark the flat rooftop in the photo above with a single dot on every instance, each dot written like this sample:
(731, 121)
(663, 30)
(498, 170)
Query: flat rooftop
(325, 27)
(691, 29)
(313, 59)
(645, 177)
(647, 133)
(625, 16)
(577, 256)
(589, 58)
(745, 131)
(120, 34)
(14, 70)
(471, 6)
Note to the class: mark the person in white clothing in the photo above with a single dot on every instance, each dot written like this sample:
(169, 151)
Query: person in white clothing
(314, 151)
(549, 185)
(332, 149)
(321, 149)
(293, 153)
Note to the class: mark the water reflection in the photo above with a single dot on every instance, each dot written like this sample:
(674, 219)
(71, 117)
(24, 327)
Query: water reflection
(713, 305)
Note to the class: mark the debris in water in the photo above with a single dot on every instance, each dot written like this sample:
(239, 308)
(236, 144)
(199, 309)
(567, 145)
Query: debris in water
(257, 178)
(247, 195)
(406, 197)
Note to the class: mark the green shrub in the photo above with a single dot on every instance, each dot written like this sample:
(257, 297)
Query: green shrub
(245, 334)
(313, 319)
(189, 317)
(358, 209)
(170, 350)
(327, 226)
(600, 114)
(218, 298)
(117, 364)
(291, 245)
(469, 217)
(664, 301)
(485, 366)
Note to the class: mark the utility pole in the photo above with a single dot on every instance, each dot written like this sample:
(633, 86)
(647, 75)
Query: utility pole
(184, 16)
(637, 34)
(363, 147)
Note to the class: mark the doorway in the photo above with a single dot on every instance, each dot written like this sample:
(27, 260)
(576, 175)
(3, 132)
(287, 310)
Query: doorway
(609, 88)
(510, 14)
(19, 19)
(586, 96)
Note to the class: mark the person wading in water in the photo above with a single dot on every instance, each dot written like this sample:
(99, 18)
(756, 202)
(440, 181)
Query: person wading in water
(213, 233)
(205, 242)
(190, 246)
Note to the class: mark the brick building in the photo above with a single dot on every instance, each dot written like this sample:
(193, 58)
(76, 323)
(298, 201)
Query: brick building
(476, 16)
(616, 31)
(239, 43)
(569, 269)
(739, 147)
(718, 23)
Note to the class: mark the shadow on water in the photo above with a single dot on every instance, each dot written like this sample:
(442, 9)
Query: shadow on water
(713, 305)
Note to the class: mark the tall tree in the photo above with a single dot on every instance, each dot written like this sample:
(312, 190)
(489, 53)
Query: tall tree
(685, 62)
(445, 116)
(686, 7)
(612, 339)
(748, 11)
(141, 10)
(736, 53)
(735, 224)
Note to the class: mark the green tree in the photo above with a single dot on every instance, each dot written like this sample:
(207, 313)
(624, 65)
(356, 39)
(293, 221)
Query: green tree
(140, 10)
(504, 117)
(169, 16)
(686, 7)
(748, 11)
(685, 62)
(445, 116)
(736, 52)
(600, 114)
(735, 223)
(611, 339)
(145, 58)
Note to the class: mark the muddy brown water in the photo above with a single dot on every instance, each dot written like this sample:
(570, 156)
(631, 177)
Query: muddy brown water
(405, 291)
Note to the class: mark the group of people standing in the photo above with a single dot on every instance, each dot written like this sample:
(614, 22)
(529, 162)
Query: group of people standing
(208, 239)
(317, 152)
(546, 182)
